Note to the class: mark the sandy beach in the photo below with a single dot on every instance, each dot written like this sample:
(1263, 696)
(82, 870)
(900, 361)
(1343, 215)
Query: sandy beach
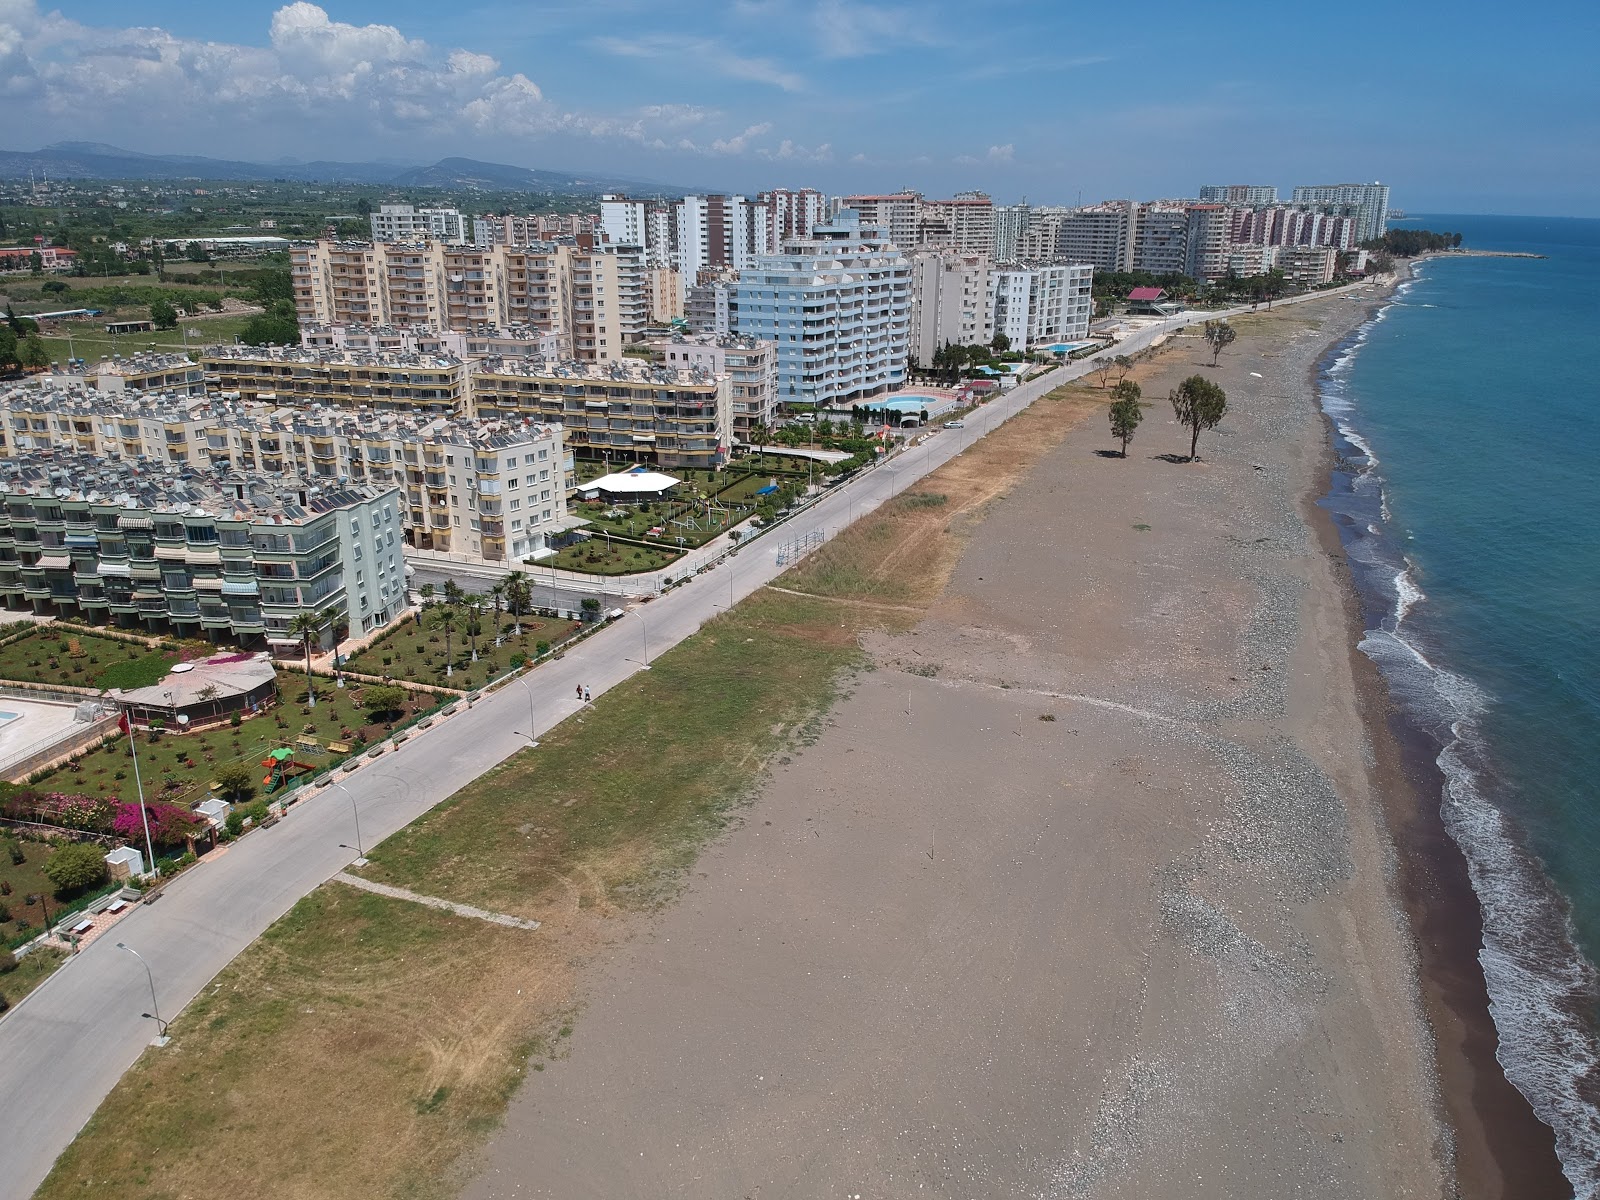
(1086, 890)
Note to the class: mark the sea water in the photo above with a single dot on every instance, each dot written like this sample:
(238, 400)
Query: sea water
(1469, 412)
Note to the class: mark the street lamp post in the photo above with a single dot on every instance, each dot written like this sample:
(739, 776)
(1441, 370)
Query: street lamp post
(355, 811)
(529, 690)
(161, 1038)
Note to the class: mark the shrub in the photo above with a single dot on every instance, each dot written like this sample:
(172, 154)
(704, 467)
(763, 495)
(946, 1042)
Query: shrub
(517, 661)
(76, 867)
(257, 812)
(235, 823)
(380, 699)
(234, 720)
(541, 649)
(8, 960)
(15, 851)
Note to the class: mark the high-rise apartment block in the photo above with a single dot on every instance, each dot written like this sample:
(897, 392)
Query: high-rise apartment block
(532, 229)
(589, 294)
(403, 223)
(1039, 304)
(795, 213)
(1368, 202)
(838, 307)
(1247, 194)
(965, 222)
(950, 302)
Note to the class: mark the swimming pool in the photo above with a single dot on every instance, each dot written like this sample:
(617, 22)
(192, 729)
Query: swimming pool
(1068, 347)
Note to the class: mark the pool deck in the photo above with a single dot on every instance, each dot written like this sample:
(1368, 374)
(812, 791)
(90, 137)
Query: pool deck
(38, 724)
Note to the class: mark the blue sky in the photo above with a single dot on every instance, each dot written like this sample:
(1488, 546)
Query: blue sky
(1460, 107)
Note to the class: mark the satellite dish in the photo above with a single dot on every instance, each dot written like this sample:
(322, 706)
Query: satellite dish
(180, 668)
(183, 718)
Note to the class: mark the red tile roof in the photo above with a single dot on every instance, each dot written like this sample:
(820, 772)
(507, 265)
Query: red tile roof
(1147, 293)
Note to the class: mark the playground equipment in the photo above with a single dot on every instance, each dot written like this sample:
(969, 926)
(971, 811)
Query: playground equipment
(282, 766)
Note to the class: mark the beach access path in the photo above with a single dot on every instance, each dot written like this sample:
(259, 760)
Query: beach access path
(65, 1046)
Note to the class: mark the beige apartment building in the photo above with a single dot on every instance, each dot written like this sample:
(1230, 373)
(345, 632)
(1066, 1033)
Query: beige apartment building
(750, 365)
(594, 297)
(298, 376)
(627, 411)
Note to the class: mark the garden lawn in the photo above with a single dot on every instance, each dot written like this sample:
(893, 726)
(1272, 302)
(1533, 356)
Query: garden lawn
(69, 655)
(26, 879)
(32, 969)
(180, 767)
(416, 652)
(89, 339)
(593, 557)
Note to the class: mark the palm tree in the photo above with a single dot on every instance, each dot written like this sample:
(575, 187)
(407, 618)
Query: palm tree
(497, 596)
(518, 598)
(474, 622)
(304, 627)
(446, 619)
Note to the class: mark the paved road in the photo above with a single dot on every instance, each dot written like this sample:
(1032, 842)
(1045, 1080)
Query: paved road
(65, 1046)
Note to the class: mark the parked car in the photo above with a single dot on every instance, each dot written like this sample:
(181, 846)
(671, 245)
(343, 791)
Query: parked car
(958, 423)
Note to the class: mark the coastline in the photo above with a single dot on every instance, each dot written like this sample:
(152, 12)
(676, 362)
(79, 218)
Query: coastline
(1501, 1147)
(1234, 996)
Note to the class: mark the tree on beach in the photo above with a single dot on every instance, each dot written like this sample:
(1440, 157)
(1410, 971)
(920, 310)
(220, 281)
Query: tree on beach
(1219, 336)
(1103, 369)
(1125, 412)
(1199, 404)
(1124, 365)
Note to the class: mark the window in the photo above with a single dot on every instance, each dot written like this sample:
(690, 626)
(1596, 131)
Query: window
(513, 482)
(516, 504)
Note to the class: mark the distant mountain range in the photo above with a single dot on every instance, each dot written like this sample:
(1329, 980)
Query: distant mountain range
(93, 160)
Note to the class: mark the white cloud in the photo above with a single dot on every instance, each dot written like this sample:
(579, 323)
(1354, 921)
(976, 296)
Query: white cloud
(1002, 153)
(320, 77)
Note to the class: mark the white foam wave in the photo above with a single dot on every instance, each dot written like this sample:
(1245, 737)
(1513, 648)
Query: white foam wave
(1407, 593)
(1539, 983)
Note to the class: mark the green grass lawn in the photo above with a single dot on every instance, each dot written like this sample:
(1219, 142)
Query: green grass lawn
(26, 879)
(64, 654)
(32, 969)
(416, 652)
(593, 557)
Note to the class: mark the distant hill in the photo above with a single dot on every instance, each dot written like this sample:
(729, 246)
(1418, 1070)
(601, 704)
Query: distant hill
(94, 160)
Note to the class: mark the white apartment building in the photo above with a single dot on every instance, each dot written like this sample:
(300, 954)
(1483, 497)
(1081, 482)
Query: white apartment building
(795, 213)
(530, 230)
(1011, 222)
(1246, 194)
(1039, 305)
(899, 213)
(1206, 256)
(1103, 235)
(623, 221)
(751, 368)
(950, 302)
(1369, 204)
(838, 307)
(720, 231)
(403, 223)
(1161, 239)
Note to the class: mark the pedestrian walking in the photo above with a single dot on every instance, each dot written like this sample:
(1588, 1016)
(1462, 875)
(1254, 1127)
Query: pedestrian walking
(586, 696)
(580, 691)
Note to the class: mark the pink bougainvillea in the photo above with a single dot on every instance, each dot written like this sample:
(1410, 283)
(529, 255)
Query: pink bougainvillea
(170, 824)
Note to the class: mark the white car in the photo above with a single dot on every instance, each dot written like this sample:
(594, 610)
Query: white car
(958, 423)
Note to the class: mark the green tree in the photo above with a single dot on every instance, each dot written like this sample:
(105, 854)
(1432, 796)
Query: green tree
(33, 354)
(306, 628)
(10, 358)
(164, 314)
(1104, 368)
(236, 782)
(1124, 365)
(76, 867)
(474, 623)
(1219, 336)
(1199, 404)
(1000, 343)
(1125, 412)
(381, 699)
(278, 326)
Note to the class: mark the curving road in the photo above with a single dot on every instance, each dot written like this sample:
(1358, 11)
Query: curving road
(65, 1046)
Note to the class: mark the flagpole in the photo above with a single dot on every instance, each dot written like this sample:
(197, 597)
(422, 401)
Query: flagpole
(144, 813)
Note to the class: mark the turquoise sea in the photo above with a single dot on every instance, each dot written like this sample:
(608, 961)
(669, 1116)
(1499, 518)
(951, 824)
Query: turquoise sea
(1470, 411)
